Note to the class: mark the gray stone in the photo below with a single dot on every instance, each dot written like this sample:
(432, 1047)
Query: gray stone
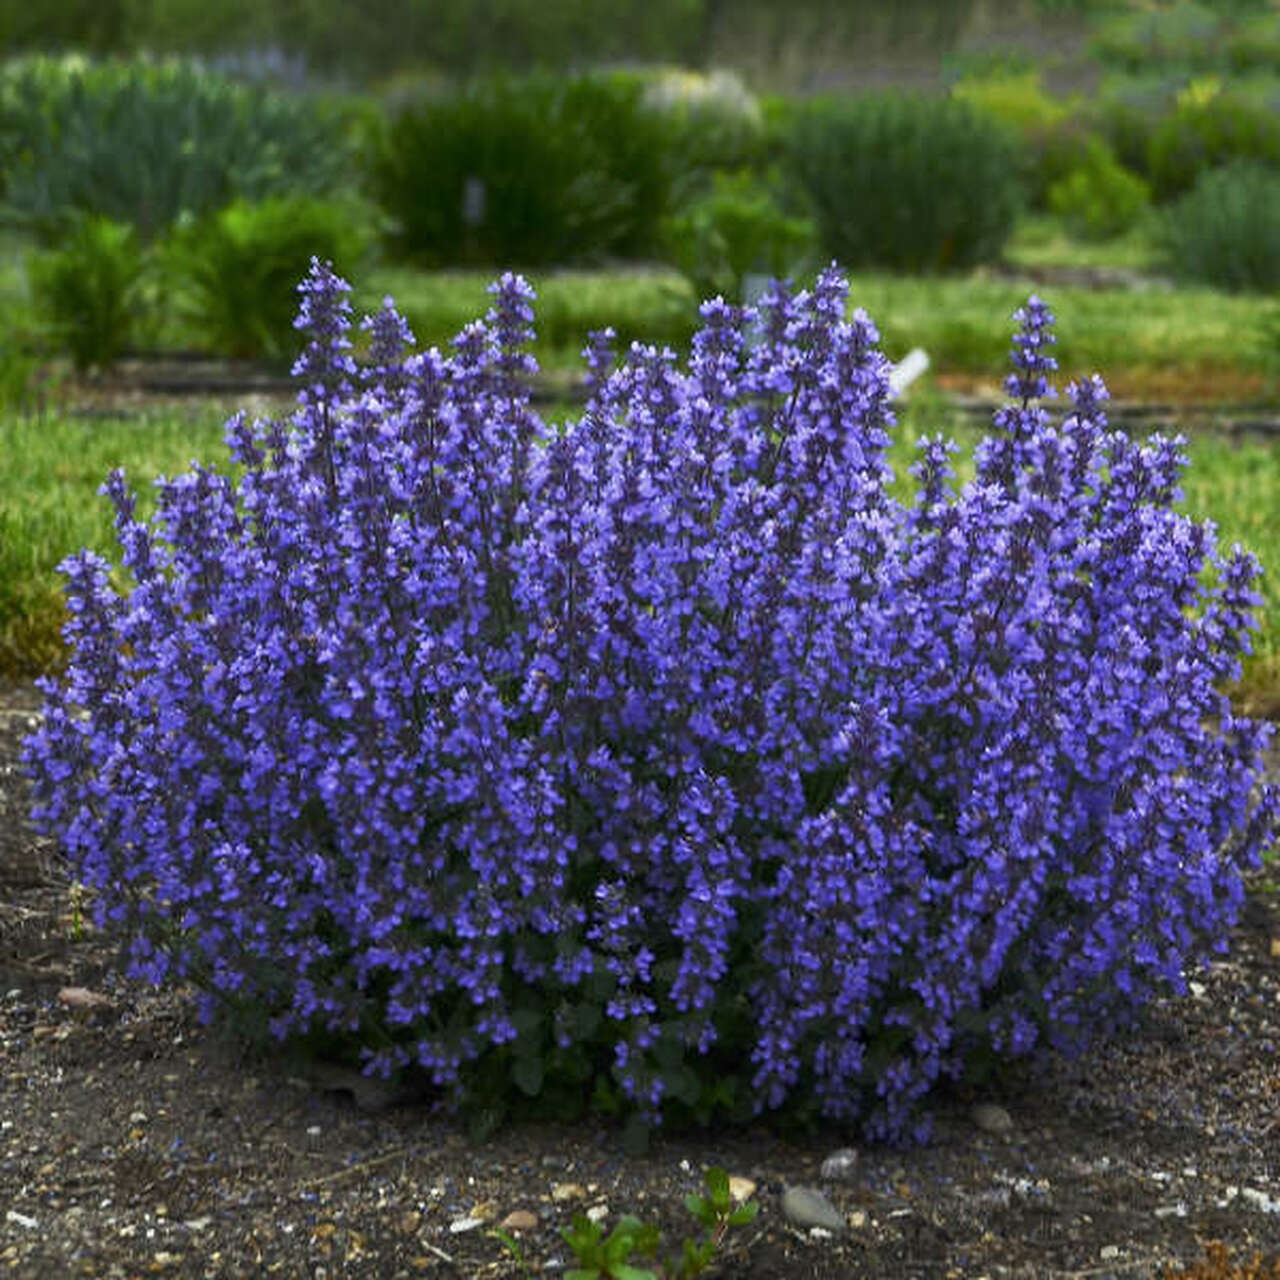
(807, 1207)
(840, 1165)
(992, 1118)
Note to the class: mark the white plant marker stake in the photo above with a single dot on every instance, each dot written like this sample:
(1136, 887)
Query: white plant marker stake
(907, 370)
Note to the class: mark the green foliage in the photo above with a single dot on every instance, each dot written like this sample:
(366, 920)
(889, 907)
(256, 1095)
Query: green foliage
(1208, 129)
(710, 123)
(1184, 33)
(463, 38)
(1099, 198)
(1255, 43)
(147, 142)
(53, 467)
(235, 270)
(524, 172)
(1225, 232)
(906, 183)
(87, 291)
(1052, 135)
(738, 227)
(614, 1255)
(1127, 127)
(1016, 98)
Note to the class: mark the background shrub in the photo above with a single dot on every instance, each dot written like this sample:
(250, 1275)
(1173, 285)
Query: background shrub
(710, 124)
(1126, 126)
(87, 292)
(1205, 132)
(664, 762)
(527, 171)
(1255, 43)
(1098, 197)
(144, 143)
(1052, 136)
(906, 183)
(737, 228)
(1183, 34)
(1225, 233)
(233, 270)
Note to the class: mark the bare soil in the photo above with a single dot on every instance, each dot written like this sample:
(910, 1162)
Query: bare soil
(134, 1142)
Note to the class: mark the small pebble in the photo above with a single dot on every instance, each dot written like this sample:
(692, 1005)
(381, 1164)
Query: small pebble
(807, 1207)
(992, 1118)
(741, 1189)
(519, 1220)
(1259, 1200)
(840, 1165)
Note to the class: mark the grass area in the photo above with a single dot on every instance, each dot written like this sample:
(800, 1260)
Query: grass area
(1186, 344)
(52, 470)
(1043, 241)
(1176, 344)
(646, 304)
(54, 466)
(1162, 343)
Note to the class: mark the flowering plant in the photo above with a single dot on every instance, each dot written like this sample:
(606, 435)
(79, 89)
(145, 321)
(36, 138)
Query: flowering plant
(662, 758)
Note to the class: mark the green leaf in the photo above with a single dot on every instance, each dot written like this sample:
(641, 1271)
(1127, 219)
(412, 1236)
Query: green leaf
(697, 1257)
(528, 1074)
(527, 1020)
(635, 1136)
(744, 1213)
(716, 1181)
(582, 1236)
(701, 1209)
(623, 1271)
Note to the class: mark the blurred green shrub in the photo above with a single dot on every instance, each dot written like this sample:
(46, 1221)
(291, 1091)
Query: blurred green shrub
(1126, 126)
(1255, 43)
(1225, 232)
(906, 183)
(1015, 98)
(325, 35)
(711, 123)
(1208, 128)
(236, 271)
(86, 292)
(1185, 33)
(737, 228)
(524, 172)
(146, 142)
(1099, 198)
(1057, 135)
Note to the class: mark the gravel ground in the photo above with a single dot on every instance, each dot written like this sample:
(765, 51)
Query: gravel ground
(133, 1142)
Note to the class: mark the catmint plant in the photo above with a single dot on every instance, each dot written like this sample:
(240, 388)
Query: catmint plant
(660, 759)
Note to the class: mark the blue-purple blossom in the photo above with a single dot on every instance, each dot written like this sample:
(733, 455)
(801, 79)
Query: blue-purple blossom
(666, 740)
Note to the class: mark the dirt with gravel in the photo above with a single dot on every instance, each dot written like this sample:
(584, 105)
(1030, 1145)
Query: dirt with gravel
(134, 1142)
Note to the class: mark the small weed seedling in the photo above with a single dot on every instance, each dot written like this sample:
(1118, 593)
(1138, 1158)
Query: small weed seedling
(611, 1256)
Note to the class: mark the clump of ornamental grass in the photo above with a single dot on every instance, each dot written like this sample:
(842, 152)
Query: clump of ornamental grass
(661, 761)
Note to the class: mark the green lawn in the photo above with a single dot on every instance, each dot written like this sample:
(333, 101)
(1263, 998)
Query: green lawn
(1167, 344)
(1175, 344)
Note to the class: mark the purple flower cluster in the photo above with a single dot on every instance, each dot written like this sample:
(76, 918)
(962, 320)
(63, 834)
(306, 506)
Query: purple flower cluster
(666, 737)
